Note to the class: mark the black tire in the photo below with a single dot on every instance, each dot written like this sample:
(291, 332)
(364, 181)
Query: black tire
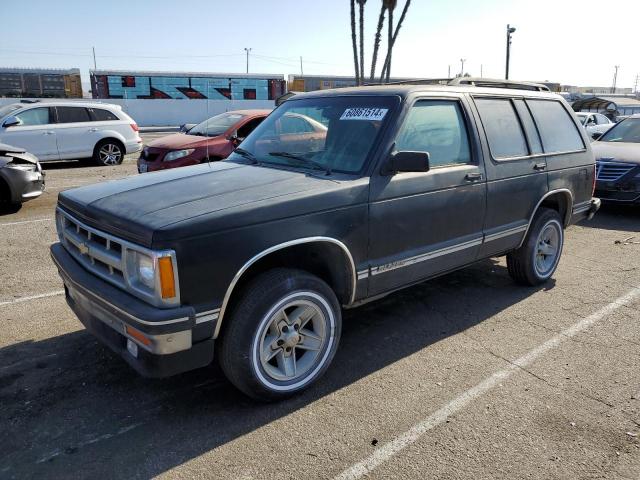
(105, 146)
(522, 263)
(247, 329)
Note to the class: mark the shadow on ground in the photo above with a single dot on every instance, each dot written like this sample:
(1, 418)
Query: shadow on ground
(70, 408)
(616, 217)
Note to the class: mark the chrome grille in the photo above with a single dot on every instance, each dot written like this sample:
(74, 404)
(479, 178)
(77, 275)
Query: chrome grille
(98, 252)
(612, 171)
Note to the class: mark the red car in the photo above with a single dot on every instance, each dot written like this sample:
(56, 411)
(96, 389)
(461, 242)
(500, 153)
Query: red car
(214, 139)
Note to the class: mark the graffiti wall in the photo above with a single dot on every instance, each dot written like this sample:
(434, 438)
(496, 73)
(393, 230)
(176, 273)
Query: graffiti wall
(185, 87)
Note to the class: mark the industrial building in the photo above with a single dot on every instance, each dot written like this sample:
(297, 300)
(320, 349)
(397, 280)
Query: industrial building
(40, 83)
(193, 85)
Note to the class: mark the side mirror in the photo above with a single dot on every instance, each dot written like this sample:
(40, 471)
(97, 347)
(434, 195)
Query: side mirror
(596, 135)
(11, 121)
(408, 161)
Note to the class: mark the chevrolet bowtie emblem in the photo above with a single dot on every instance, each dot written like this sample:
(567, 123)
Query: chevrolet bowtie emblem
(84, 248)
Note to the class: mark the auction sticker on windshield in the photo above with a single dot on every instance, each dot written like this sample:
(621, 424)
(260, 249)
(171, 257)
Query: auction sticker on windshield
(375, 114)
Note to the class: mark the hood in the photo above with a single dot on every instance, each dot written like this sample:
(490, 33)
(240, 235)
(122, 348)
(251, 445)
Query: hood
(181, 140)
(9, 153)
(617, 151)
(202, 199)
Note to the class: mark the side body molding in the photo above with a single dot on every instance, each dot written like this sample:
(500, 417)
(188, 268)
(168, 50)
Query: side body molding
(264, 253)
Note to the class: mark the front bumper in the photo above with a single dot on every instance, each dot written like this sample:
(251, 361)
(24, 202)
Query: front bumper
(110, 314)
(585, 210)
(618, 195)
(24, 184)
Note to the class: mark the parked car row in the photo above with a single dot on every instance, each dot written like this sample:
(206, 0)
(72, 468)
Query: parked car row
(594, 123)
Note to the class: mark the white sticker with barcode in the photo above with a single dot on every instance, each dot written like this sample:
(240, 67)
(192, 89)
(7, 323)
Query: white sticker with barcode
(375, 114)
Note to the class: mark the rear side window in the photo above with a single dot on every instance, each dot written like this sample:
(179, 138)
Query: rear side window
(529, 126)
(557, 129)
(72, 114)
(436, 127)
(502, 126)
(101, 115)
(35, 116)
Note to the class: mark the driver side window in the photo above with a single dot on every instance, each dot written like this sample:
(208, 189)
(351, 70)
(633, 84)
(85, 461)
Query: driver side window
(437, 127)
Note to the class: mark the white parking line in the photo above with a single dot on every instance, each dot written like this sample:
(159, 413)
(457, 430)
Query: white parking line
(49, 219)
(388, 450)
(33, 297)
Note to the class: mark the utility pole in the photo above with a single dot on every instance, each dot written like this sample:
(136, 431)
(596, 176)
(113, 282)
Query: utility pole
(481, 75)
(510, 30)
(94, 58)
(449, 72)
(462, 60)
(247, 50)
(635, 88)
(615, 79)
(301, 71)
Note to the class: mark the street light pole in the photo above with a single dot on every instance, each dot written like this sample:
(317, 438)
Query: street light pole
(510, 30)
(462, 60)
(247, 50)
(615, 79)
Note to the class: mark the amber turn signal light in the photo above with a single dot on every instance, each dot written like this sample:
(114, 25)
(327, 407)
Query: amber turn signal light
(167, 280)
(138, 335)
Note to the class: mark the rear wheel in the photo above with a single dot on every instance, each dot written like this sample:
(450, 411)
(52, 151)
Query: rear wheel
(282, 335)
(108, 152)
(537, 259)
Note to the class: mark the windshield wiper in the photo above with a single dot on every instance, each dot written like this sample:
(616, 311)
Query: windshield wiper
(306, 161)
(247, 154)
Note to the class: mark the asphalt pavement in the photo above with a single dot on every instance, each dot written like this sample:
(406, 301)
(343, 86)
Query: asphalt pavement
(464, 376)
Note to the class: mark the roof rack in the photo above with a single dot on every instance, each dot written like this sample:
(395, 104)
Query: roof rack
(413, 81)
(499, 83)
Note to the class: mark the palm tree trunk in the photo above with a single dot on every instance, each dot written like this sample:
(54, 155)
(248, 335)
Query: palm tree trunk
(376, 43)
(361, 4)
(353, 41)
(389, 44)
(395, 34)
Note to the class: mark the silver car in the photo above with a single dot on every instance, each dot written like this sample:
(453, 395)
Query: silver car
(21, 177)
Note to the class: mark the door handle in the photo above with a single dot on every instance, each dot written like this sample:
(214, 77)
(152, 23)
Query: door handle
(48, 132)
(473, 177)
(93, 129)
(540, 166)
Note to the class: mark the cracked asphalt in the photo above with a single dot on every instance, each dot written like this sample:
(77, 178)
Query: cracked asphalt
(69, 408)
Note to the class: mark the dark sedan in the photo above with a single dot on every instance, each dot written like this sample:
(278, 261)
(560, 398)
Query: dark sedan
(21, 177)
(617, 155)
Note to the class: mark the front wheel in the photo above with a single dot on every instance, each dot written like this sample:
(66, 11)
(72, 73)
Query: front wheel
(537, 259)
(282, 334)
(108, 153)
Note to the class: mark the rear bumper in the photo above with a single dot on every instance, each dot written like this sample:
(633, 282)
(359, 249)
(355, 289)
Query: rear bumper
(110, 314)
(133, 146)
(585, 210)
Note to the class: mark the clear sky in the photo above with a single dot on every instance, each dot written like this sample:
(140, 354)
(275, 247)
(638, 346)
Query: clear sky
(569, 41)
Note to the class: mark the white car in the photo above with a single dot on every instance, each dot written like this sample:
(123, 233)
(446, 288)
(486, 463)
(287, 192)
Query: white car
(70, 130)
(594, 123)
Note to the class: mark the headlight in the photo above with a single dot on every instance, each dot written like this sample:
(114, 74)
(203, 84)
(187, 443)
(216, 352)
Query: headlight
(153, 274)
(142, 270)
(177, 154)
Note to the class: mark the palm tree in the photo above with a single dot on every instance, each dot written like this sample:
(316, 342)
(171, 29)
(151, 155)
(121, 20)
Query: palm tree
(390, 5)
(361, 5)
(385, 67)
(353, 41)
(376, 42)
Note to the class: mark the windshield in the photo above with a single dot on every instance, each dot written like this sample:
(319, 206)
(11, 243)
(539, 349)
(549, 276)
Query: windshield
(582, 118)
(330, 133)
(217, 125)
(7, 109)
(626, 131)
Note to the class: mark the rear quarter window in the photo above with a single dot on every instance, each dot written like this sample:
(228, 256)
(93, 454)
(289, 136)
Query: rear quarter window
(502, 126)
(101, 115)
(556, 126)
